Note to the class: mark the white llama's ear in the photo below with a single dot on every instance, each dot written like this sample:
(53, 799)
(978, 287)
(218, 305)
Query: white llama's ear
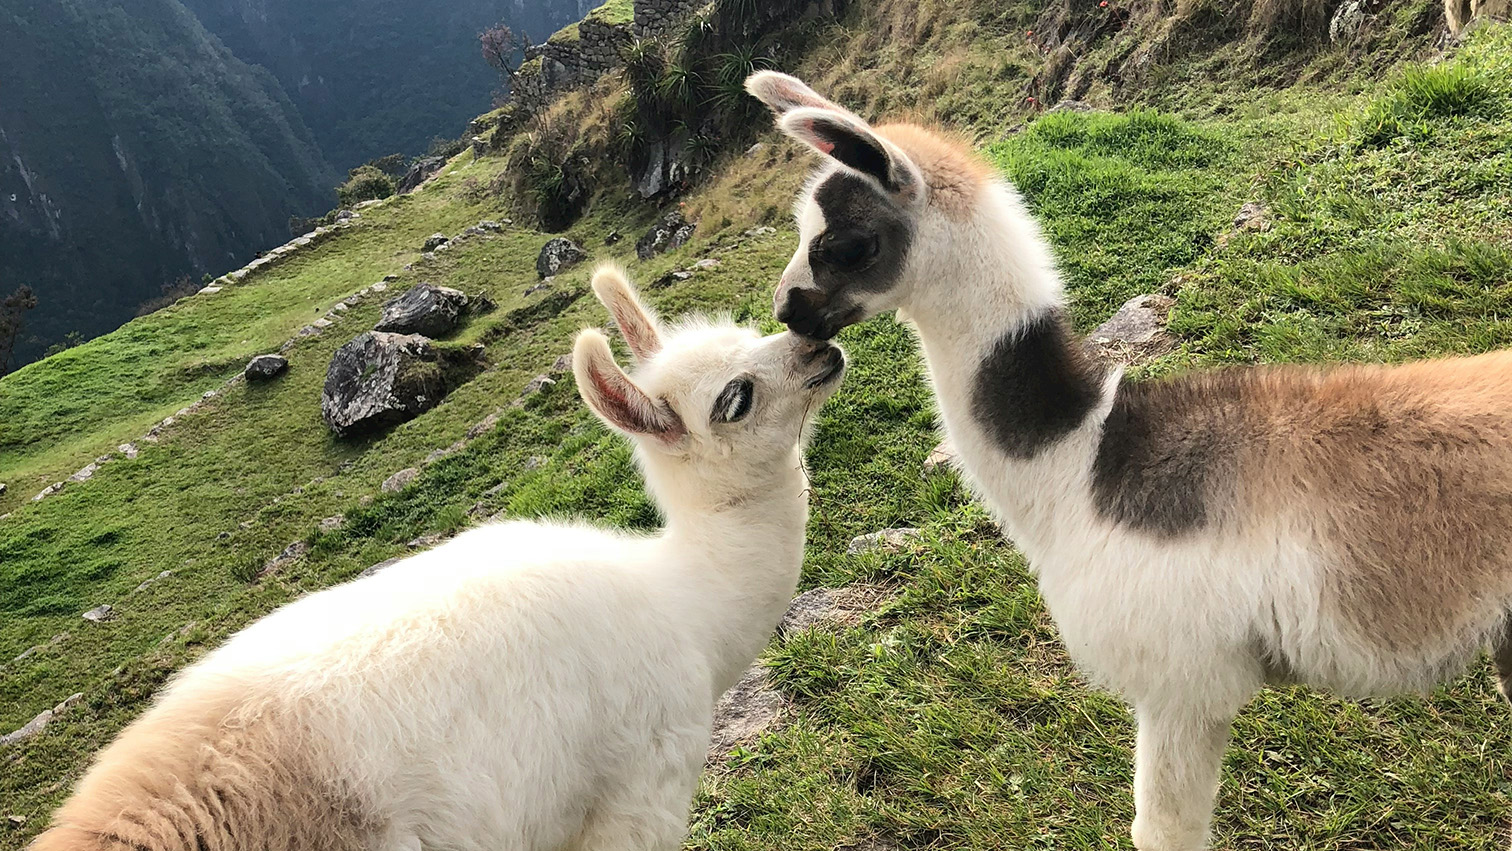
(636, 322)
(617, 400)
(850, 141)
(784, 93)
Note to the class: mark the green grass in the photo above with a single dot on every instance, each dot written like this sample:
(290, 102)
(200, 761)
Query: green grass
(950, 718)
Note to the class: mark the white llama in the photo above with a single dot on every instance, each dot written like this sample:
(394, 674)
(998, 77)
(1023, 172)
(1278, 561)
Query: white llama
(1194, 538)
(526, 686)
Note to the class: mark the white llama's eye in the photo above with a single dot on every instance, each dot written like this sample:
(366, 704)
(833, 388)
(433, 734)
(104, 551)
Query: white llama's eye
(734, 401)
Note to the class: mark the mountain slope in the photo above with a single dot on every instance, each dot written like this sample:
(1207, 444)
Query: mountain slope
(135, 149)
(949, 717)
(379, 76)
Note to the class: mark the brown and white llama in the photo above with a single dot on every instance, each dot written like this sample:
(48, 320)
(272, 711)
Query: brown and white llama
(1458, 13)
(1194, 538)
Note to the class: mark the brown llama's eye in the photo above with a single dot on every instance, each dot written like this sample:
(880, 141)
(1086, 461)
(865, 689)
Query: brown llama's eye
(848, 250)
(734, 401)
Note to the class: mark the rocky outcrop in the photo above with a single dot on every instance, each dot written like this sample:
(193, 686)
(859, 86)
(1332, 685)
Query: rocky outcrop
(661, 18)
(424, 309)
(885, 541)
(558, 254)
(1136, 332)
(381, 379)
(418, 173)
(670, 233)
(39, 723)
(265, 367)
(435, 241)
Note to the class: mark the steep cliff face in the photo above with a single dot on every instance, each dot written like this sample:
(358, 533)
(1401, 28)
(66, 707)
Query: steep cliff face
(134, 149)
(379, 76)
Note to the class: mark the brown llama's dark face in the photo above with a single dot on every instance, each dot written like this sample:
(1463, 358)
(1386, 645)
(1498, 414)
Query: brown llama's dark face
(854, 242)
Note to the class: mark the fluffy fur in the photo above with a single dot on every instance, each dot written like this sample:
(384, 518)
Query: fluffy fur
(1458, 13)
(524, 686)
(1197, 537)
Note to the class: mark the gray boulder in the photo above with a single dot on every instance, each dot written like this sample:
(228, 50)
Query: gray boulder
(435, 241)
(418, 173)
(264, 367)
(670, 233)
(559, 254)
(425, 309)
(380, 379)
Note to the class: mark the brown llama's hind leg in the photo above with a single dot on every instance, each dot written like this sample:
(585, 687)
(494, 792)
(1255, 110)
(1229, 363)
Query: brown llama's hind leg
(1457, 13)
(1501, 655)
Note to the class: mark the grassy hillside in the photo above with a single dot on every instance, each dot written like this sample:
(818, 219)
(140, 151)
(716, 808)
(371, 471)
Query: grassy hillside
(950, 717)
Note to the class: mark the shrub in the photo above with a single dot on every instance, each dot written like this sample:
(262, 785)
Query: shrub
(1424, 95)
(365, 183)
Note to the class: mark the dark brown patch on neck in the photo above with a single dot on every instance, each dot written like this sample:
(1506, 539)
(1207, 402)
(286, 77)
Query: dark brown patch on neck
(1035, 386)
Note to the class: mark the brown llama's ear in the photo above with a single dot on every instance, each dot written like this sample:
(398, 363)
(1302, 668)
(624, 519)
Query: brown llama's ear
(784, 93)
(616, 399)
(638, 325)
(852, 143)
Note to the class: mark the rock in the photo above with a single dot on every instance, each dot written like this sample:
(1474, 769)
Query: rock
(829, 605)
(2, 488)
(480, 304)
(129, 450)
(538, 288)
(561, 366)
(425, 542)
(379, 566)
(1348, 22)
(763, 230)
(380, 379)
(435, 241)
(1069, 105)
(55, 487)
(613, 237)
(265, 367)
(940, 459)
(153, 581)
(419, 172)
(558, 254)
(100, 614)
(1252, 216)
(669, 234)
(536, 385)
(479, 147)
(400, 480)
(290, 554)
(886, 541)
(743, 713)
(707, 263)
(346, 215)
(332, 523)
(1136, 332)
(40, 648)
(15, 822)
(534, 462)
(756, 149)
(39, 723)
(425, 309)
(489, 225)
(209, 290)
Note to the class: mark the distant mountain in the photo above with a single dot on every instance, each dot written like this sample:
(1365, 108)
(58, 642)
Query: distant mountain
(145, 140)
(135, 149)
(372, 77)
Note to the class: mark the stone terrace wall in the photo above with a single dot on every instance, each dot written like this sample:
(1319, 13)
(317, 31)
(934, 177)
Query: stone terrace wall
(659, 18)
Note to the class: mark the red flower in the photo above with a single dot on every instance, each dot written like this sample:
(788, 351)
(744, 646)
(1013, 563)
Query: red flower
(1031, 33)
(1103, 4)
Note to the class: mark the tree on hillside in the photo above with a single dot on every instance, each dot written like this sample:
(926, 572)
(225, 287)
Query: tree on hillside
(12, 315)
(500, 43)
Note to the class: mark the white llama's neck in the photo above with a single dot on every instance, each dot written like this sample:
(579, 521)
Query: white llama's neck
(740, 540)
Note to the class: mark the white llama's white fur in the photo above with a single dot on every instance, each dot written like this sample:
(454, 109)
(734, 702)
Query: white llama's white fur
(528, 685)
